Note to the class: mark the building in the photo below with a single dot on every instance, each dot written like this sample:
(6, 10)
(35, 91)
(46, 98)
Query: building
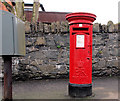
(44, 16)
(47, 17)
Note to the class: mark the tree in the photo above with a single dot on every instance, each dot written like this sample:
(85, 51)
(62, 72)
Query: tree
(19, 7)
(35, 14)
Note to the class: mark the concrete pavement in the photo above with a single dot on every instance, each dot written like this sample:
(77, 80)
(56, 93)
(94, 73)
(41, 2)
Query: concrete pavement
(103, 88)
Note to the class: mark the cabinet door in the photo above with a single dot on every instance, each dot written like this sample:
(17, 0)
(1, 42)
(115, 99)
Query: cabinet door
(81, 71)
(6, 35)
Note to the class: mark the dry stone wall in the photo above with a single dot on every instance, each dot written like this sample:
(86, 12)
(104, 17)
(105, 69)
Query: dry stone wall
(47, 51)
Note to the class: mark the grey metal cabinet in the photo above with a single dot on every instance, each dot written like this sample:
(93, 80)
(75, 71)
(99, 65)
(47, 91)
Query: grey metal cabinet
(12, 35)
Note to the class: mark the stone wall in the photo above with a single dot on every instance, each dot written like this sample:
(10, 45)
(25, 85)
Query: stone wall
(47, 51)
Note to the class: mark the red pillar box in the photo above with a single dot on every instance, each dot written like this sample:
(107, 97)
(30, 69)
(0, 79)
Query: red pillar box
(80, 83)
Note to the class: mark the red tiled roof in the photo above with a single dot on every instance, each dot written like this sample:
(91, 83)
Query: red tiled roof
(47, 16)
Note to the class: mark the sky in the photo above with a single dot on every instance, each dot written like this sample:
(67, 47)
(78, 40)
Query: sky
(105, 10)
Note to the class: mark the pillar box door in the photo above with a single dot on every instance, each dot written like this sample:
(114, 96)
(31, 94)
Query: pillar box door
(80, 83)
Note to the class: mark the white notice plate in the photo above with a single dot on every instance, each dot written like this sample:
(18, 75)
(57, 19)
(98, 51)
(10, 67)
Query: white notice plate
(80, 41)
(80, 25)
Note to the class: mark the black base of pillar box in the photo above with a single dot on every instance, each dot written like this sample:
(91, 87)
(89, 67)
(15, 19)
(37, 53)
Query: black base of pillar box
(80, 90)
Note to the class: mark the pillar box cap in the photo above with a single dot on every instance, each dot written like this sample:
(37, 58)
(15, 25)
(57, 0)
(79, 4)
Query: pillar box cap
(80, 17)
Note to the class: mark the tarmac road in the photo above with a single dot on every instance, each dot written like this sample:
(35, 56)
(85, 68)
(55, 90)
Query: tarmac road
(103, 88)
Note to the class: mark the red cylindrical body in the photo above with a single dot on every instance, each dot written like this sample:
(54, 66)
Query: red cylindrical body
(80, 47)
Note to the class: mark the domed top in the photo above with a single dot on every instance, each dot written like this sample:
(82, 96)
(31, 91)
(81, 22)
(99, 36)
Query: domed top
(81, 17)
